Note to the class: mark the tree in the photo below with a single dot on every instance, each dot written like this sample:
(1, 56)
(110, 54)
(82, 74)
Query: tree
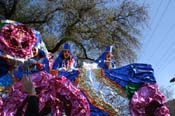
(90, 24)
(171, 106)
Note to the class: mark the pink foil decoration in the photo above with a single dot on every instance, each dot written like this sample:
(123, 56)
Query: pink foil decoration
(162, 111)
(17, 40)
(148, 101)
(52, 91)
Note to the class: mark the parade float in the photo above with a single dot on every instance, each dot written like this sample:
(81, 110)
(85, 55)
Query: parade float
(71, 91)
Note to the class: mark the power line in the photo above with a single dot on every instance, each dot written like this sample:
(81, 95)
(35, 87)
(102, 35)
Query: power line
(173, 2)
(165, 66)
(162, 41)
(160, 19)
(168, 54)
(155, 14)
(158, 22)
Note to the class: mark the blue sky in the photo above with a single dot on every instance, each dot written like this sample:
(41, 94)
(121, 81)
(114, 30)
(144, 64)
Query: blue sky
(158, 40)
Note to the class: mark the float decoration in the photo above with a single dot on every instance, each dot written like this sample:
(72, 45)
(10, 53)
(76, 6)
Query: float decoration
(57, 93)
(17, 40)
(148, 101)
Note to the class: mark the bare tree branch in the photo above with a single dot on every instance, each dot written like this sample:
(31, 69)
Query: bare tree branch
(8, 12)
(89, 25)
(13, 10)
(45, 19)
(80, 45)
(34, 22)
(2, 4)
(62, 41)
(85, 54)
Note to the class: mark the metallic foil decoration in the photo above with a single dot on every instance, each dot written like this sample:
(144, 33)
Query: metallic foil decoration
(32, 38)
(101, 92)
(17, 40)
(52, 92)
(131, 89)
(5, 81)
(136, 73)
(148, 101)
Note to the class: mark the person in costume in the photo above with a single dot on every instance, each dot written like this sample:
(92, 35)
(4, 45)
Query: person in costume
(39, 43)
(65, 60)
(105, 61)
(16, 41)
(39, 62)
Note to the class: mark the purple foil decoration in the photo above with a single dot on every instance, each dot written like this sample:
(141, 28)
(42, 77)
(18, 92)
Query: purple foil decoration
(148, 101)
(1, 106)
(162, 111)
(17, 40)
(57, 93)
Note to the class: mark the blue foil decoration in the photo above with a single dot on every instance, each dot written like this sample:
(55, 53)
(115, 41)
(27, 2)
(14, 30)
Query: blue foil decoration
(133, 73)
(71, 75)
(97, 112)
(6, 80)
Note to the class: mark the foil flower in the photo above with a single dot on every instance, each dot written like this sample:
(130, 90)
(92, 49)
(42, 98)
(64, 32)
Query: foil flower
(162, 111)
(148, 101)
(57, 94)
(17, 40)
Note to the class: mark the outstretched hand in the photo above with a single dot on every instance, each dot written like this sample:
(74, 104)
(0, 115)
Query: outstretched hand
(28, 85)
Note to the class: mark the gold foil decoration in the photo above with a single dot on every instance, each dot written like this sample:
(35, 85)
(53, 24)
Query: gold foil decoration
(100, 91)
